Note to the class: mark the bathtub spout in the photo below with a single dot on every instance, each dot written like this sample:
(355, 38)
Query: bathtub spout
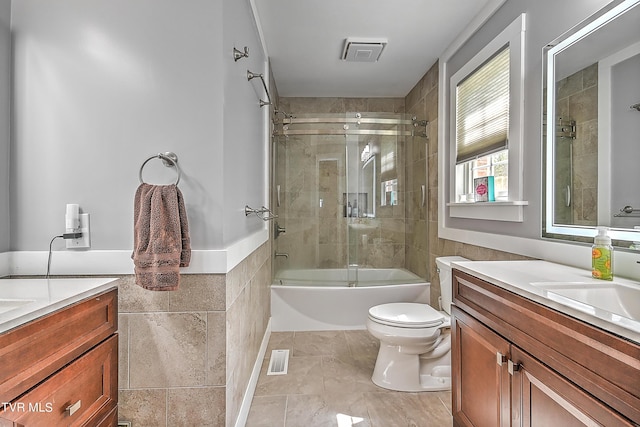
(277, 254)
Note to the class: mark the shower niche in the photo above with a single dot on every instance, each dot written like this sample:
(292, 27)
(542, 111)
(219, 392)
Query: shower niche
(355, 205)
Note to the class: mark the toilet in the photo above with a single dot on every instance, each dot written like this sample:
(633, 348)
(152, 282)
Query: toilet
(415, 340)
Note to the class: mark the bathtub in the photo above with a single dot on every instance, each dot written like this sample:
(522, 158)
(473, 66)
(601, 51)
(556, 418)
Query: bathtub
(337, 299)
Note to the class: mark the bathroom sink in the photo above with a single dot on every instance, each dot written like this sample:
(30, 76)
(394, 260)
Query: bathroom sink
(8, 304)
(616, 298)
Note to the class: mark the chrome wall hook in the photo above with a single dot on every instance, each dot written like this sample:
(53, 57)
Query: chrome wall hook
(238, 54)
(263, 213)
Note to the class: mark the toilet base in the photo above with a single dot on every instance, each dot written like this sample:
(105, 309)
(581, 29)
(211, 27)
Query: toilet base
(400, 371)
(438, 380)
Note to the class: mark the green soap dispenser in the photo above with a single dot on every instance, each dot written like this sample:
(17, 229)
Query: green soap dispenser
(602, 255)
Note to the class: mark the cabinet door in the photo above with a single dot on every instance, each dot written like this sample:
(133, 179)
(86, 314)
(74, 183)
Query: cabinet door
(78, 395)
(543, 398)
(480, 383)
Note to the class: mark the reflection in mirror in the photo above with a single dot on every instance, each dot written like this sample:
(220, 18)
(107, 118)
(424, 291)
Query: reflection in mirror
(592, 130)
(368, 181)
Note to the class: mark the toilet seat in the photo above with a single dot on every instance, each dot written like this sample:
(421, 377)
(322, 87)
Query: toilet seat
(406, 315)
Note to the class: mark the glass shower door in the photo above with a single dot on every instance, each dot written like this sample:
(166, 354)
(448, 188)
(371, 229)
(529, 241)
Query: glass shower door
(341, 186)
(309, 174)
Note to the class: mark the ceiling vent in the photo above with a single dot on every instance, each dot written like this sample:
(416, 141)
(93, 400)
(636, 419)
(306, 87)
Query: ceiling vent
(363, 50)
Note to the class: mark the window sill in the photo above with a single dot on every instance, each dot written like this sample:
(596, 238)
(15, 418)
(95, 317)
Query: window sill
(512, 211)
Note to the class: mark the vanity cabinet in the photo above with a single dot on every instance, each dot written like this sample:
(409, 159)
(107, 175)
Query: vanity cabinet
(519, 363)
(62, 369)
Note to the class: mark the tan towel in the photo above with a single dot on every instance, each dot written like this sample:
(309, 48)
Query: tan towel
(161, 243)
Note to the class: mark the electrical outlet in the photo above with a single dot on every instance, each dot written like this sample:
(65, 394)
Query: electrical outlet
(83, 242)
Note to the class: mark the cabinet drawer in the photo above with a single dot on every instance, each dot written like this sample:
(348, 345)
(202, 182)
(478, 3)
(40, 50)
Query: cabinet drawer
(33, 351)
(81, 394)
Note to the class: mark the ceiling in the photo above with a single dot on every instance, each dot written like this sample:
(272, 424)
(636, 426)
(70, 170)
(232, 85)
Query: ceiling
(305, 38)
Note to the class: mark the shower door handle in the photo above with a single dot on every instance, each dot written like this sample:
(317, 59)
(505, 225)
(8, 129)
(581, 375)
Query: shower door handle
(277, 195)
(423, 189)
(568, 196)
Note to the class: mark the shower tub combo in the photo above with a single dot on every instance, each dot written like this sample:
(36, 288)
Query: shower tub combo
(341, 195)
(325, 299)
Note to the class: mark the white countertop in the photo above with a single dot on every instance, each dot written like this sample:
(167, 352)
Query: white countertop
(529, 279)
(24, 300)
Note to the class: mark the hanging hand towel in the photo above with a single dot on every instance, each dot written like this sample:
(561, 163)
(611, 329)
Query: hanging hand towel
(161, 243)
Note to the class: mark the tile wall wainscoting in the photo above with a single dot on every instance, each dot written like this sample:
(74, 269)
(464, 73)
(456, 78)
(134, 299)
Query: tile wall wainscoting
(186, 356)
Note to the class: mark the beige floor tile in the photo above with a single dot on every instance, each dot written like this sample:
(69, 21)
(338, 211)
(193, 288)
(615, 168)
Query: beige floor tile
(330, 410)
(407, 410)
(348, 373)
(304, 377)
(322, 343)
(279, 340)
(267, 411)
(362, 343)
(329, 384)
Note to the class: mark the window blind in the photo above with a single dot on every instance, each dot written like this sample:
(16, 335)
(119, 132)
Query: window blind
(482, 109)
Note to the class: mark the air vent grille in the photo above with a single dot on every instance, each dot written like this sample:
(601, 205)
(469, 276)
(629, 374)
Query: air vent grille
(279, 362)
(363, 50)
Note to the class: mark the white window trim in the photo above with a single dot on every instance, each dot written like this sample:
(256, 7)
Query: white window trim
(511, 210)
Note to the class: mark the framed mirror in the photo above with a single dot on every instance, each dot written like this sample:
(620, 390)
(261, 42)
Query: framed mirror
(592, 127)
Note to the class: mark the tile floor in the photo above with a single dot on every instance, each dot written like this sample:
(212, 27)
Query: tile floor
(329, 384)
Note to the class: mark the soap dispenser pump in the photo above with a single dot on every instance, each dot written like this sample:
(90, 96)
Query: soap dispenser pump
(602, 255)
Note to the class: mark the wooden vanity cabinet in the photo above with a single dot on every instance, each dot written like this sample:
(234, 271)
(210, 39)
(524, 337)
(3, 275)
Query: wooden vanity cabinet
(62, 369)
(518, 363)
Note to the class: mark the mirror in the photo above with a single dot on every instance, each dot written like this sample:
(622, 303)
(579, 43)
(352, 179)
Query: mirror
(592, 127)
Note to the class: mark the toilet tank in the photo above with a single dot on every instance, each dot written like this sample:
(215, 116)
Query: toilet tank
(444, 272)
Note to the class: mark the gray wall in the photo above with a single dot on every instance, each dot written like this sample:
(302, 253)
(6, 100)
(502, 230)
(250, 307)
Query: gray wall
(625, 130)
(5, 114)
(101, 86)
(546, 20)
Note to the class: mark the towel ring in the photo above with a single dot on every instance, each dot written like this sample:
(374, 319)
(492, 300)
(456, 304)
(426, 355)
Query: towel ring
(169, 159)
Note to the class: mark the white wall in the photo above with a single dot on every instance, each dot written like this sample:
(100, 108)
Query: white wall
(5, 129)
(101, 86)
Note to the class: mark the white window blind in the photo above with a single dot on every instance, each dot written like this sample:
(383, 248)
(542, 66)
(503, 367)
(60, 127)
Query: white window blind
(482, 109)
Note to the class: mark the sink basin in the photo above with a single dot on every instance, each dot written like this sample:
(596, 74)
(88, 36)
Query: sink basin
(8, 304)
(613, 297)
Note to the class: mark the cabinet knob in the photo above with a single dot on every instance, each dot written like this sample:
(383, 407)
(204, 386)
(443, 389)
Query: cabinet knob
(500, 358)
(71, 409)
(513, 367)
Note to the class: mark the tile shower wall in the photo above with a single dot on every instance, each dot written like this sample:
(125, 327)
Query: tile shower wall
(423, 245)
(312, 168)
(186, 356)
(577, 99)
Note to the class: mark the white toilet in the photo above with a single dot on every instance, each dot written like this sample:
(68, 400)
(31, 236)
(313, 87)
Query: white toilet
(415, 340)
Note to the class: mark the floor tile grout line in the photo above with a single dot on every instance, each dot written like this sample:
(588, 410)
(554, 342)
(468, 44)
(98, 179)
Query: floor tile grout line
(286, 408)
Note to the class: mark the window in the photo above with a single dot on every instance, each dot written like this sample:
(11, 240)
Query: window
(482, 124)
(496, 165)
(486, 127)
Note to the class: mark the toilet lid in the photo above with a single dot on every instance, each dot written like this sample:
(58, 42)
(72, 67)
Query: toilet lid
(406, 315)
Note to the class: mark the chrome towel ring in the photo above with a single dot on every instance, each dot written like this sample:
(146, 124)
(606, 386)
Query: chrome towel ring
(169, 159)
